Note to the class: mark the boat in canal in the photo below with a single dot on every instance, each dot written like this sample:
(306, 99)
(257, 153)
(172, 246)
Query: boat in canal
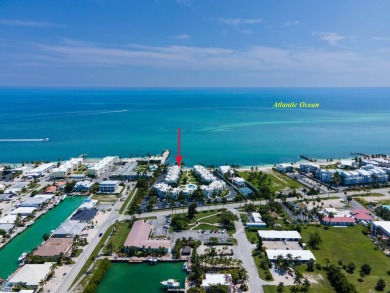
(171, 283)
(22, 257)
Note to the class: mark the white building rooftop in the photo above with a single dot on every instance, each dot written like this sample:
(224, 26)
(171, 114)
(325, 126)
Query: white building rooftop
(275, 234)
(31, 274)
(215, 279)
(301, 255)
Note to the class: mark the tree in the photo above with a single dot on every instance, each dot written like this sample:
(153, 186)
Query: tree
(314, 239)
(192, 210)
(227, 218)
(180, 222)
(366, 269)
(218, 289)
(380, 286)
(351, 267)
(336, 178)
(46, 236)
(310, 265)
(280, 288)
(305, 284)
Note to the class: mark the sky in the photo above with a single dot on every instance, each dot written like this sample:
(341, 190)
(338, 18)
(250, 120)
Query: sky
(194, 43)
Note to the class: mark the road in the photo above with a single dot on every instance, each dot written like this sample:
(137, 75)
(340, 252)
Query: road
(245, 251)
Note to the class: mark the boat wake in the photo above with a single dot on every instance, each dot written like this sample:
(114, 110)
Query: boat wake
(23, 139)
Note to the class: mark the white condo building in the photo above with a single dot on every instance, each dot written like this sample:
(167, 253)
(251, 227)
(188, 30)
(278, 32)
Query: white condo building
(173, 174)
(101, 166)
(38, 171)
(66, 168)
(204, 174)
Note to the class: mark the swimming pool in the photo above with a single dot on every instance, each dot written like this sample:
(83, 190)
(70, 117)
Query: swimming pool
(191, 186)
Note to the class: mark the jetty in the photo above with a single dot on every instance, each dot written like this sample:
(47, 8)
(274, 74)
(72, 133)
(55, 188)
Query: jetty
(308, 158)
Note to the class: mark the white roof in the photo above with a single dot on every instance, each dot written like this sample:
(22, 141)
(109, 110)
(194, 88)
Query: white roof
(45, 196)
(109, 182)
(23, 210)
(302, 255)
(9, 219)
(256, 217)
(224, 169)
(385, 225)
(278, 234)
(31, 274)
(215, 279)
(239, 179)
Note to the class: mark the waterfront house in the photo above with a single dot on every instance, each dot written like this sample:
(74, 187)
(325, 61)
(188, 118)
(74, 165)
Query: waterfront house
(186, 251)
(69, 228)
(139, 238)
(54, 247)
(51, 189)
(224, 170)
(85, 215)
(33, 202)
(29, 276)
(8, 219)
(47, 196)
(217, 279)
(24, 211)
(83, 186)
(109, 186)
(6, 227)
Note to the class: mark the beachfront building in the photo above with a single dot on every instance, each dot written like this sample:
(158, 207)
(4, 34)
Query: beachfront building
(326, 176)
(66, 168)
(238, 181)
(276, 235)
(33, 202)
(224, 170)
(139, 238)
(24, 211)
(83, 186)
(380, 228)
(367, 175)
(284, 168)
(255, 221)
(109, 186)
(217, 279)
(296, 255)
(100, 167)
(204, 174)
(53, 247)
(173, 175)
(38, 171)
(69, 228)
(154, 159)
(29, 276)
(309, 167)
(125, 171)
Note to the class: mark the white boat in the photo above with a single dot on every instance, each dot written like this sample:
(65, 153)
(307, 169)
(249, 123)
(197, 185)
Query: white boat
(152, 260)
(23, 256)
(171, 283)
(185, 266)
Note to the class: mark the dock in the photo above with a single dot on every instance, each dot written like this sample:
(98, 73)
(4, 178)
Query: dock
(308, 158)
(176, 290)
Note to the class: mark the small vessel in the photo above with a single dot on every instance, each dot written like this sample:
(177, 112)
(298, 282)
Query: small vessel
(152, 260)
(171, 283)
(185, 266)
(22, 257)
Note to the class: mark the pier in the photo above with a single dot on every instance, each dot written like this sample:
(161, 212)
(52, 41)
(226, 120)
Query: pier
(308, 158)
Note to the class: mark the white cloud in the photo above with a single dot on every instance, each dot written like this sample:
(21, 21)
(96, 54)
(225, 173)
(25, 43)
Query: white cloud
(293, 22)
(182, 37)
(332, 38)
(28, 23)
(240, 21)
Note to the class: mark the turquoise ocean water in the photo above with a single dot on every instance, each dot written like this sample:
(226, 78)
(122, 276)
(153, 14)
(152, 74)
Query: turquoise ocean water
(218, 125)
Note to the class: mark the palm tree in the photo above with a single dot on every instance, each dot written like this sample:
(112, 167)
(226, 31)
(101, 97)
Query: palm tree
(305, 284)
(331, 216)
(280, 288)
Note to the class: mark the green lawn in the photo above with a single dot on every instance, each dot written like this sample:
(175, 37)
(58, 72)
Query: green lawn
(349, 245)
(205, 227)
(262, 273)
(204, 214)
(365, 194)
(190, 179)
(278, 181)
(120, 236)
(106, 197)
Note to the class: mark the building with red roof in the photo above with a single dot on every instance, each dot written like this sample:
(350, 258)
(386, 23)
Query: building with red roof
(362, 215)
(139, 237)
(338, 221)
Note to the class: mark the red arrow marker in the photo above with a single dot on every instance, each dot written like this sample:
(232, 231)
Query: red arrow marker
(178, 157)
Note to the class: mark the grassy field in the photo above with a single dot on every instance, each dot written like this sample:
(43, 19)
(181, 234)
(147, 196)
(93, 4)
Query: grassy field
(190, 179)
(105, 198)
(349, 245)
(365, 194)
(120, 236)
(278, 181)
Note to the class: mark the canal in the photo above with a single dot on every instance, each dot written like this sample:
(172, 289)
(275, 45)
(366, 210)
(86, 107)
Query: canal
(32, 236)
(141, 278)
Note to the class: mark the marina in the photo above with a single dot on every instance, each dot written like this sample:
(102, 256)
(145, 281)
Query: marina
(32, 236)
(121, 276)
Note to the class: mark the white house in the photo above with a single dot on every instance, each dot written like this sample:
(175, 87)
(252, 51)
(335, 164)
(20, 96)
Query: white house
(23, 211)
(83, 186)
(217, 279)
(238, 181)
(255, 221)
(30, 275)
(297, 255)
(224, 169)
(39, 171)
(284, 168)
